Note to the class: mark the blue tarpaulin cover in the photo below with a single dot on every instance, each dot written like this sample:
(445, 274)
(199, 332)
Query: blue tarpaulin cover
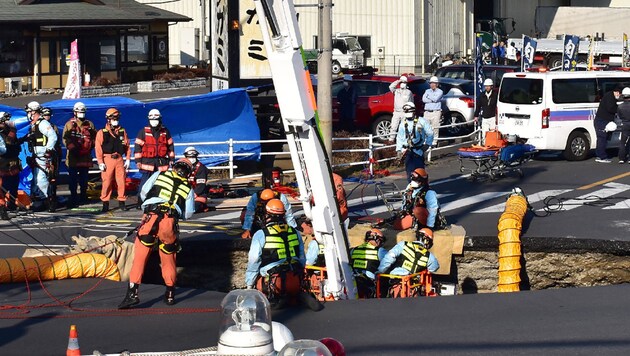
(212, 117)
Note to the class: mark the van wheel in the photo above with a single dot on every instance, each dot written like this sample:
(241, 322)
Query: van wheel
(381, 127)
(336, 67)
(578, 147)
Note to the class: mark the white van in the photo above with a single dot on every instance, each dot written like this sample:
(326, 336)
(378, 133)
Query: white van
(555, 110)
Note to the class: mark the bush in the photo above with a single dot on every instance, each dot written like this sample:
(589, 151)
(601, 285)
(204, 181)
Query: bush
(102, 82)
(176, 73)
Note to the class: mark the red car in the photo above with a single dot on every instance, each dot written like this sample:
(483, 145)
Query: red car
(375, 102)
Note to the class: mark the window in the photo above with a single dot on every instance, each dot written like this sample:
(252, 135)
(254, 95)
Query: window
(608, 84)
(108, 54)
(521, 91)
(136, 50)
(16, 54)
(572, 91)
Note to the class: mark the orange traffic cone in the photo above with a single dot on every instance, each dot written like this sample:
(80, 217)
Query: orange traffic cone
(73, 342)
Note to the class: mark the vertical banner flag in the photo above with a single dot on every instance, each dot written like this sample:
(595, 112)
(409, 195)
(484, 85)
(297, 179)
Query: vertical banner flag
(529, 50)
(479, 77)
(73, 85)
(570, 52)
(625, 59)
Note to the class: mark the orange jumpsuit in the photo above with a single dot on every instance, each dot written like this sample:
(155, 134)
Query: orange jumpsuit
(111, 145)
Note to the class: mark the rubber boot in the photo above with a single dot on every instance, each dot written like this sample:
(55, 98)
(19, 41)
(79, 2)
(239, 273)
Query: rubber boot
(131, 298)
(310, 301)
(52, 204)
(122, 206)
(84, 198)
(169, 296)
(139, 205)
(72, 202)
(105, 207)
(3, 213)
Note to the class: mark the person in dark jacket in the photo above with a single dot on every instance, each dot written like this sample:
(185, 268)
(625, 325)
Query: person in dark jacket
(347, 98)
(487, 108)
(605, 114)
(623, 111)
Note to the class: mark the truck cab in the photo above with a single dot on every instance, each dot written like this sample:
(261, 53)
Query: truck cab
(346, 54)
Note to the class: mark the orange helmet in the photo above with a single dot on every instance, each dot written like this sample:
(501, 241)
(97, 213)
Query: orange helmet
(112, 113)
(183, 167)
(275, 207)
(375, 234)
(267, 194)
(425, 235)
(419, 174)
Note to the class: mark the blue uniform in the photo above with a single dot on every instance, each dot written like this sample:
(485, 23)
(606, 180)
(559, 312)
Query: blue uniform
(255, 257)
(393, 254)
(421, 133)
(381, 255)
(250, 211)
(40, 175)
(431, 202)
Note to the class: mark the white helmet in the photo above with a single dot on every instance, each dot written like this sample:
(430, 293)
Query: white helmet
(154, 114)
(626, 92)
(33, 106)
(79, 107)
(434, 79)
(488, 82)
(610, 127)
(190, 151)
(409, 107)
(281, 335)
(403, 78)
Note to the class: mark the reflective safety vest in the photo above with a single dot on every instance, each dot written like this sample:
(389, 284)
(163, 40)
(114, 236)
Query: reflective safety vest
(414, 258)
(10, 160)
(36, 137)
(365, 257)
(281, 242)
(114, 142)
(153, 147)
(172, 189)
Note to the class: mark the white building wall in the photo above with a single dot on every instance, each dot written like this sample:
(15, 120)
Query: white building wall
(524, 14)
(601, 3)
(181, 48)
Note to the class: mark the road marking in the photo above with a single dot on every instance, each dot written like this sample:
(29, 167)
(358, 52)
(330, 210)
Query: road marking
(603, 181)
(610, 190)
(460, 203)
(532, 198)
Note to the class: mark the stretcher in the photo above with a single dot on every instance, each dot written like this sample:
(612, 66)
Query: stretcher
(494, 162)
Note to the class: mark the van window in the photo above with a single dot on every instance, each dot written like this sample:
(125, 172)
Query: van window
(572, 91)
(521, 91)
(608, 84)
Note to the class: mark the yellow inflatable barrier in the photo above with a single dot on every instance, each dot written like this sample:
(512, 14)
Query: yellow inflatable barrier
(82, 265)
(510, 225)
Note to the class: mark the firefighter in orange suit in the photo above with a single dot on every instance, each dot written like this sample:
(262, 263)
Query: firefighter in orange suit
(112, 144)
(167, 197)
(153, 150)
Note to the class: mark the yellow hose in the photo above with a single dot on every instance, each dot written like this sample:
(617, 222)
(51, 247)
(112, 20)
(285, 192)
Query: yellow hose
(82, 265)
(510, 225)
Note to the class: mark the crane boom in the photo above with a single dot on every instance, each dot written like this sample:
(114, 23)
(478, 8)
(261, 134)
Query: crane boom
(313, 171)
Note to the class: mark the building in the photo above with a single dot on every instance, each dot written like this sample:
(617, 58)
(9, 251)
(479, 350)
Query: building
(121, 40)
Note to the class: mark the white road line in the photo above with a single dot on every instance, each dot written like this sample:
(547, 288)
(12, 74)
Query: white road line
(33, 245)
(624, 204)
(532, 198)
(610, 190)
(383, 208)
(460, 203)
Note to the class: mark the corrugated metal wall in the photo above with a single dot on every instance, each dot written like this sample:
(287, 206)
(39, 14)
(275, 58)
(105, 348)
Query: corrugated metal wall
(180, 47)
(396, 25)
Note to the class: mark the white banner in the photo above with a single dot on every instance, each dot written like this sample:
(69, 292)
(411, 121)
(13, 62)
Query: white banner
(73, 85)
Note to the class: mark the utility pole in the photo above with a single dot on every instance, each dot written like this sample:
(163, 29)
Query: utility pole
(324, 75)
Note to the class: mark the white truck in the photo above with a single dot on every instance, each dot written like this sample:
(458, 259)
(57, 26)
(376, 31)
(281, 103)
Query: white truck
(347, 54)
(605, 25)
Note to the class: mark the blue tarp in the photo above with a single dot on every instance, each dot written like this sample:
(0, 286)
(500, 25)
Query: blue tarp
(212, 117)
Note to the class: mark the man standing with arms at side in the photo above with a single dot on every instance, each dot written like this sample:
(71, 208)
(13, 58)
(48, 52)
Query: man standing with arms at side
(347, 98)
(112, 144)
(487, 107)
(402, 95)
(78, 136)
(154, 149)
(432, 99)
(605, 114)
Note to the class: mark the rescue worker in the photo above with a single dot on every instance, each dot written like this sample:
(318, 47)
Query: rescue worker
(420, 201)
(10, 165)
(365, 260)
(409, 257)
(111, 145)
(314, 253)
(78, 136)
(42, 140)
(487, 108)
(605, 113)
(198, 179)
(415, 136)
(154, 150)
(276, 257)
(167, 197)
(432, 99)
(623, 111)
(253, 214)
(53, 173)
(402, 95)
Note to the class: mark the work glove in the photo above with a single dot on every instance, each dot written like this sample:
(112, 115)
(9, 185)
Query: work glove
(101, 167)
(250, 287)
(246, 234)
(126, 165)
